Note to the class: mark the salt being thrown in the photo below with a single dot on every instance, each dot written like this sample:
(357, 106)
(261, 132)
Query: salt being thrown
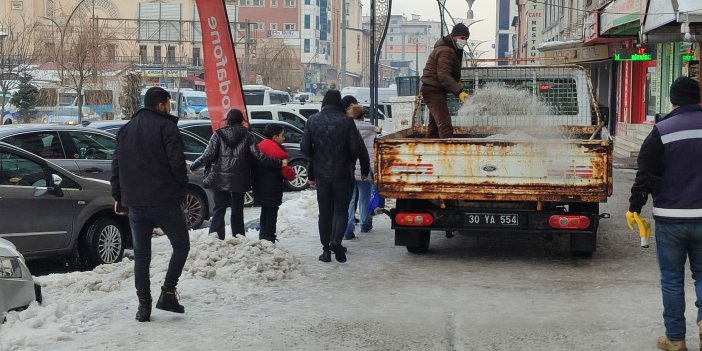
(496, 104)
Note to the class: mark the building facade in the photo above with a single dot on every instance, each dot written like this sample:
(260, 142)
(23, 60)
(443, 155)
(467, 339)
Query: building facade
(506, 38)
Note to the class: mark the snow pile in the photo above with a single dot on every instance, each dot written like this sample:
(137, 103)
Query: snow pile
(239, 259)
(513, 136)
(497, 104)
(38, 324)
(295, 212)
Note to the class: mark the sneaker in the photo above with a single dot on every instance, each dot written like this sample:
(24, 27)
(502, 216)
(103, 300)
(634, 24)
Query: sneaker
(325, 256)
(168, 301)
(144, 311)
(664, 344)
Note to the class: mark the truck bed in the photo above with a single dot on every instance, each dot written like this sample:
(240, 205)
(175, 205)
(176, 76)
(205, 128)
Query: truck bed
(549, 164)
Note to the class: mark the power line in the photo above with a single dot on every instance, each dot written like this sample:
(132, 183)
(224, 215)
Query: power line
(602, 10)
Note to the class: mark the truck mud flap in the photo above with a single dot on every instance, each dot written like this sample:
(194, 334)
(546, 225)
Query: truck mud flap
(410, 237)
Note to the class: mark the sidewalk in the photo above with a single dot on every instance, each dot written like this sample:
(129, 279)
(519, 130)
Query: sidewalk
(624, 162)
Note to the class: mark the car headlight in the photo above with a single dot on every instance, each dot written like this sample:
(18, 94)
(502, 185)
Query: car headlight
(10, 268)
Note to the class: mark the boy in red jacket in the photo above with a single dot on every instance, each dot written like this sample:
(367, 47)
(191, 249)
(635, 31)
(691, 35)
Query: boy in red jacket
(268, 181)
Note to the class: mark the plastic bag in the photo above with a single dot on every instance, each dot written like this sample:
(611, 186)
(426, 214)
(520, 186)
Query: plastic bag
(374, 201)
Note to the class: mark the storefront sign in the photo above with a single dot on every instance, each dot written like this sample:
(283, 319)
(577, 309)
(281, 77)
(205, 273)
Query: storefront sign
(283, 34)
(591, 27)
(581, 54)
(163, 73)
(618, 13)
(688, 58)
(640, 55)
(534, 30)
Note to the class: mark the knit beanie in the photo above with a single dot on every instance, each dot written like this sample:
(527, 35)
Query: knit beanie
(460, 29)
(685, 91)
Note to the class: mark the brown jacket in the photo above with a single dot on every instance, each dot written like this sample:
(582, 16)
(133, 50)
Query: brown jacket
(443, 68)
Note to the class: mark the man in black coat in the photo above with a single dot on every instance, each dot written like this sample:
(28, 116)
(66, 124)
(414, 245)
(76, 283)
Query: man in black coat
(333, 144)
(149, 179)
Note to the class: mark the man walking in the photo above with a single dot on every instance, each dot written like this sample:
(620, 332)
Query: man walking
(442, 75)
(669, 170)
(149, 178)
(333, 144)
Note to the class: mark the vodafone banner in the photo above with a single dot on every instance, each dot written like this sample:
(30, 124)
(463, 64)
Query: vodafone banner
(222, 80)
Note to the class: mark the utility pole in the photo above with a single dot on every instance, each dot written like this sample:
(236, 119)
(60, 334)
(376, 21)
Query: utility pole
(342, 83)
(247, 40)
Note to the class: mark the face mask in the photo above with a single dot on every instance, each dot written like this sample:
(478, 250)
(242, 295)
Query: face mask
(460, 43)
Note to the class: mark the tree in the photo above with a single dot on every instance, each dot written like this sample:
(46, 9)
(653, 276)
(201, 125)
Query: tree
(26, 99)
(17, 53)
(277, 65)
(132, 93)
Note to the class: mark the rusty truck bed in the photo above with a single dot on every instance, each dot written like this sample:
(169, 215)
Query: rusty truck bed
(560, 164)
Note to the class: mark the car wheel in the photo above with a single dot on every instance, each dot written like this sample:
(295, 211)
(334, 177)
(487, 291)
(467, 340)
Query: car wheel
(103, 242)
(194, 208)
(301, 180)
(248, 198)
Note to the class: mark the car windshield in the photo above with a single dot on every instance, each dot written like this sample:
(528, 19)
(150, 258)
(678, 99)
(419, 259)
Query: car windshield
(196, 100)
(253, 97)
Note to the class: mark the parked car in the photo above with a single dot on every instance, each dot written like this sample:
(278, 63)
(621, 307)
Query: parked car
(88, 152)
(293, 136)
(295, 114)
(47, 211)
(16, 282)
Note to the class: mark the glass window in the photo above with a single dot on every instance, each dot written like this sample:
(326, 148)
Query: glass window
(203, 131)
(289, 26)
(253, 97)
(292, 119)
(307, 45)
(261, 115)
(17, 170)
(292, 135)
(92, 146)
(192, 144)
(308, 112)
(277, 98)
(307, 23)
(43, 144)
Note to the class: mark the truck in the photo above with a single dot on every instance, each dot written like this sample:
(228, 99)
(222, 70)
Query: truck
(531, 154)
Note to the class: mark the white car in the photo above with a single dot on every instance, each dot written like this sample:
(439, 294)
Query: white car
(17, 286)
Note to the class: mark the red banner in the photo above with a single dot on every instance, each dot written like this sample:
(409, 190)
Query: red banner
(222, 80)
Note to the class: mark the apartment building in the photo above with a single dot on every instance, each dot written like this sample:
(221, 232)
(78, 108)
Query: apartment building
(506, 42)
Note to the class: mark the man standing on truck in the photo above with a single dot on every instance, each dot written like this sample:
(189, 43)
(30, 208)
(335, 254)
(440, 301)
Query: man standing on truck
(442, 75)
(668, 171)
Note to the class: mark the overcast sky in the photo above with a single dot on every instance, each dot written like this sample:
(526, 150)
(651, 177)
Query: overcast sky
(429, 9)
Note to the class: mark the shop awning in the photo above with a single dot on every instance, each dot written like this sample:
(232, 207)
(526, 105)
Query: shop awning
(621, 18)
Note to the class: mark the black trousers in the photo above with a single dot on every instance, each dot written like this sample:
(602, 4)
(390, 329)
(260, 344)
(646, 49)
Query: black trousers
(224, 199)
(268, 221)
(333, 197)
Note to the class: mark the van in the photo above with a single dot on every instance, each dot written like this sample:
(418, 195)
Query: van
(306, 109)
(362, 94)
(191, 102)
(264, 95)
(276, 113)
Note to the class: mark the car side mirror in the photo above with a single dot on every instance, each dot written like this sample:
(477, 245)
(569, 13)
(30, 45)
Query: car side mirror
(56, 181)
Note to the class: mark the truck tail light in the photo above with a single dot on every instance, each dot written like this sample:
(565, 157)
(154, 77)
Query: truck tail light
(569, 222)
(414, 219)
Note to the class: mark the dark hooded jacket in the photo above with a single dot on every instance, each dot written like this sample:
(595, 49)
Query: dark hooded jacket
(148, 166)
(231, 155)
(443, 68)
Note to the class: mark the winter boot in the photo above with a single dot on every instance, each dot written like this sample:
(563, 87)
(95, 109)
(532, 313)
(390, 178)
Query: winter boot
(325, 256)
(339, 252)
(168, 301)
(668, 345)
(144, 311)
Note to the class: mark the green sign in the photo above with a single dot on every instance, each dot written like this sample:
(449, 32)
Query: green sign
(688, 58)
(632, 57)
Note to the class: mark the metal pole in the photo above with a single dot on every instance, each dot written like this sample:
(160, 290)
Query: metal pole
(416, 56)
(342, 82)
(373, 67)
(247, 39)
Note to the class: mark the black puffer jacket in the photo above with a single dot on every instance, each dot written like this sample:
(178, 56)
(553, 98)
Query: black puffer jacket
(333, 143)
(233, 156)
(148, 166)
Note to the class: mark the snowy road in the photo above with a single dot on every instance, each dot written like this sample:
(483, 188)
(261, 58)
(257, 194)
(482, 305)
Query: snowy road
(501, 293)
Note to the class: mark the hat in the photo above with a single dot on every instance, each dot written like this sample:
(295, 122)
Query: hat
(460, 29)
(685, 91)
(348, 100)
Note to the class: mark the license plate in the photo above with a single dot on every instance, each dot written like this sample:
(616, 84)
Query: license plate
(490, 219)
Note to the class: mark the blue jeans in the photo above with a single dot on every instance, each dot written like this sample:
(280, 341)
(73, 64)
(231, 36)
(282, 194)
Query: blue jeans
(363, 191)
(143, 220)
(675, 242)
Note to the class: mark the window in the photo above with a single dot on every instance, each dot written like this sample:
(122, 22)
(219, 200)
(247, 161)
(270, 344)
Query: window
(258, 26)
(289, 26)
(292, 119)
(292, 135)
(253, 97)
(43, 144)
(289, 3)
(307, 46)
(274, 26)
(274, 3)
(244, 2)
(308, 2)
(258, 3)
(203, 131)
(157, 53)
(261, 115)
(192, 144)
(143, 54)
(316, 22)
(19, 171)
(278, 98)
(196, 57)
(170, 54)
(307, 112)
(307, 21)
(92, 146)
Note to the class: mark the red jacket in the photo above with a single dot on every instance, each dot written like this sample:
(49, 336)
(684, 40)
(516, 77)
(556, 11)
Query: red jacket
(272, 149)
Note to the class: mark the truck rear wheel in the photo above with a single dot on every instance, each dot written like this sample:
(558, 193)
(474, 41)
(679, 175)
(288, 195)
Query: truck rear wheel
(420, 240)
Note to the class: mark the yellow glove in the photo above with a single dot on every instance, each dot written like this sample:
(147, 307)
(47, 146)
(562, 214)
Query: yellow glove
(644, 226)
(463, 96)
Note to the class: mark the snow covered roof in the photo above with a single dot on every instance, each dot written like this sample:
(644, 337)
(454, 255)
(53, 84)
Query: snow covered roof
(559, 44)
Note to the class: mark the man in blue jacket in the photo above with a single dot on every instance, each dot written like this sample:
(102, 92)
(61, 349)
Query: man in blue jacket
(149, 179)
(670, 169)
